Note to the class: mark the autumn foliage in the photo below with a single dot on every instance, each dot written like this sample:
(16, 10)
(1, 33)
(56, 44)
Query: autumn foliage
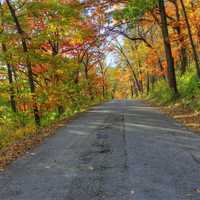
(54, 55)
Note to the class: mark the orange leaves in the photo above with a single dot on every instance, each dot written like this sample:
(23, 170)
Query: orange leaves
(37, 69)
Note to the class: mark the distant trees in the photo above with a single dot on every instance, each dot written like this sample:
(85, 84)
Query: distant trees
(170, 33)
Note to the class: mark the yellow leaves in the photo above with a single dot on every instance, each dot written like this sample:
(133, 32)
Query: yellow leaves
(52, 28)
(76, 40)
(59, 72)
(187, 3)
(4, 95)
(123, 79)
(24, 132)
(1, 109)
(10, 134)
(76, 37)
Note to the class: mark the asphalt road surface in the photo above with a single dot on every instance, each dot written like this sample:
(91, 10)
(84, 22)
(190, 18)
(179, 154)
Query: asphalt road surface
(122, 150)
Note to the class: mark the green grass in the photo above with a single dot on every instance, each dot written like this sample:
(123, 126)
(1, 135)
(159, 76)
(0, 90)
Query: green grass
(189, 89)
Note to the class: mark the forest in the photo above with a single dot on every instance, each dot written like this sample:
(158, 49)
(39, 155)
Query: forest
(60, 57)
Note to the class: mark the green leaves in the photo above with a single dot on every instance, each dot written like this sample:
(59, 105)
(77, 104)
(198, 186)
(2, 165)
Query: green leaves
(135, 10)
(51, 8)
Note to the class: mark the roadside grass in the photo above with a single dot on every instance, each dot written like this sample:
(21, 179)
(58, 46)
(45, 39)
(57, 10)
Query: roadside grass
(189, 89)
(185, 109)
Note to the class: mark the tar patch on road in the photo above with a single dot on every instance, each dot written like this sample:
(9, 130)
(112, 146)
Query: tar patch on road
(105, 163)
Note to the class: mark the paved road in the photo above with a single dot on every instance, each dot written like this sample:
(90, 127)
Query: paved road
(122, 150)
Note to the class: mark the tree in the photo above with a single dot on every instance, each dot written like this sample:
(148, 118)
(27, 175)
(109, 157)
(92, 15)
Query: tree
(168, 51)
(28, 63)
(195, 55)
(9, 69)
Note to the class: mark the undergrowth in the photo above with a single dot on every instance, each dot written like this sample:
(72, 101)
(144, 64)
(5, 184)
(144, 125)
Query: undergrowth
(15, 127)
(189, 89)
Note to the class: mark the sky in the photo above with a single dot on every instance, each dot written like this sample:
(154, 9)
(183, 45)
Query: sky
(112, 59)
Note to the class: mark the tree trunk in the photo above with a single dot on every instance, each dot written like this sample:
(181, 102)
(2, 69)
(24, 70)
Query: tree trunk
(148, 84)
(131, 88)
(195, 55)
(161, 69)
(183, 50)
(137, 82)
(10, 78)
(55, 51)
(28, 63)
(102, 71)
(168, 51)
(9, 70)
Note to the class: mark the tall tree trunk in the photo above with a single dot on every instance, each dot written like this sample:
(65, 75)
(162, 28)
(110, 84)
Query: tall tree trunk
(28, 63)
(86, 71)
(195, 55)
(9, 71)
(10, 78)
(140, 72)
(153, 80)
(76, 79)
(148, 83)
(194, 7)
(102, 71)
(131, 88)
(55, 52)
(161, 69)
(137, 82)
(168, 51)
(183, 50)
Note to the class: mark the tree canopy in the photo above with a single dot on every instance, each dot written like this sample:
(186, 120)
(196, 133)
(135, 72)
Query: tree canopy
(54, 56)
